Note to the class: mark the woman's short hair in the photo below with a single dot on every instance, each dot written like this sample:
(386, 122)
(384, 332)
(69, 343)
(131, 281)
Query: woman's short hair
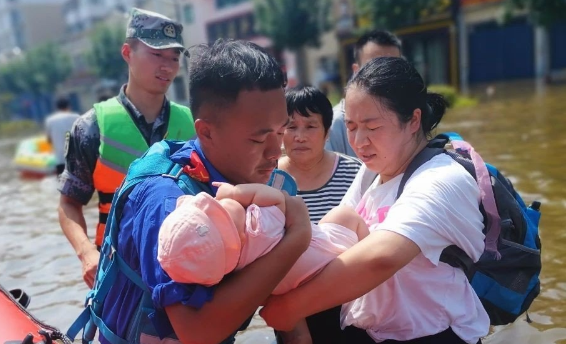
(305, 99)
(397, 85)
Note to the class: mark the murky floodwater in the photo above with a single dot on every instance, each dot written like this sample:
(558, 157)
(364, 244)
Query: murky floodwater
(521, 131)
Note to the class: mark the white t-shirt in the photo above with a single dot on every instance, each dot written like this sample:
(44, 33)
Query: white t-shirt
(438, 207)
(57, 126)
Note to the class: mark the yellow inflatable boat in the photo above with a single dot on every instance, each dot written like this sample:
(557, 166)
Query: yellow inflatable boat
(35, 157)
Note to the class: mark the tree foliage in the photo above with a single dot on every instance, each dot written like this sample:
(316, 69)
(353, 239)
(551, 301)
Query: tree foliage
(39, 71)
(393, 14)
(293, 24)
(105, 54)
(541, 12)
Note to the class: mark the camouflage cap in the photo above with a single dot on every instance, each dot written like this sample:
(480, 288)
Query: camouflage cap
(154, 30)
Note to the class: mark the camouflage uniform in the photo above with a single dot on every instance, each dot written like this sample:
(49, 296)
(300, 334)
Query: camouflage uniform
(76, 182)
(155, 30)
(83, 141)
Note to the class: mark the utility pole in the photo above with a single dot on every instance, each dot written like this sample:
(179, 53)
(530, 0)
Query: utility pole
(462, 46)
(179, 18)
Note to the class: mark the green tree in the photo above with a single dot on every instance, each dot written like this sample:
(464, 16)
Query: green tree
(46, 66)
(394, 14)
(39, 71)
(12, 77)
(105, 54)
(541, 12)
(5, 101)
(293, 25)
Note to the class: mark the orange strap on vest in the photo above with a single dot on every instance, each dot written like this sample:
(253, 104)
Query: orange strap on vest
(106, 181)
(120, 144)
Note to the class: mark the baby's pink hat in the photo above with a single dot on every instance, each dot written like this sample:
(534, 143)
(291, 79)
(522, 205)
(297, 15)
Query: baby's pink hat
(198, 241)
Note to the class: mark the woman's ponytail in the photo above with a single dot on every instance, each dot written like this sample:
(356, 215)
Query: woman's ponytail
(436, 106)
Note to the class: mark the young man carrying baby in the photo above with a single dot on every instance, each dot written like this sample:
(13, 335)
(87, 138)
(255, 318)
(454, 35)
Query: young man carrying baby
(206, 238)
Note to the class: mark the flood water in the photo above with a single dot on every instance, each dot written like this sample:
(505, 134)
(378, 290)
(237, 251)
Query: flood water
(519, 129)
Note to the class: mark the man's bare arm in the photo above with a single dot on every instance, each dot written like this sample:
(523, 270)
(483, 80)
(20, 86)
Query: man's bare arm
(237, 297)
(73, 224)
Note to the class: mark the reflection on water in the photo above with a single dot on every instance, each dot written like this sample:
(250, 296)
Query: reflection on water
(519, 130)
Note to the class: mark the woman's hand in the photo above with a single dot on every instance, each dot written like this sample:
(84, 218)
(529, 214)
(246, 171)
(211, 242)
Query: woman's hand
(278, 313)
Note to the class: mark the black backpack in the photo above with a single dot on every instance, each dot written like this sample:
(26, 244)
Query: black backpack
(505, 278)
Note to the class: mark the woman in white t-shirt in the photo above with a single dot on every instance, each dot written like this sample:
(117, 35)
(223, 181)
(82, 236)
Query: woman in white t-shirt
(391, 284)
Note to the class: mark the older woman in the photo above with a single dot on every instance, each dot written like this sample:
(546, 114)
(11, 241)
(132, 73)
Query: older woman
(392, 284)
(322, 176)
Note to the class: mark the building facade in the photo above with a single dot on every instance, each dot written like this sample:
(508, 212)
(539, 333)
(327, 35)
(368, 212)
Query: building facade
(493, 50)
(205, 21)
(466, 42)
(26, 24)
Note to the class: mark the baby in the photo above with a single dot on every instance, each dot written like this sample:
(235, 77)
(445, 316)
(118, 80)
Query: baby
(205, 238)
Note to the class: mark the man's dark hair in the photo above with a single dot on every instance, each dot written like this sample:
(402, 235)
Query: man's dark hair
(379, 37)
(62, 103)
(218, 73)
(308, 99)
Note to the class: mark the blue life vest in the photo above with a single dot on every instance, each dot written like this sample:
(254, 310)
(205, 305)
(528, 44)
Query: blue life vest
(506, 277)
(155, 162)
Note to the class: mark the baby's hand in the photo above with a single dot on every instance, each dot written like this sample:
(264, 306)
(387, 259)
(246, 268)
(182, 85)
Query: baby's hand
(225, 190)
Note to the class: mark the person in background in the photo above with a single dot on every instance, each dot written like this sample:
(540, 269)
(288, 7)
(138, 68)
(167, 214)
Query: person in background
(103, 97)
(107, 138)
(57, 127)
(392, 286)
(369, 46)
(322, 176)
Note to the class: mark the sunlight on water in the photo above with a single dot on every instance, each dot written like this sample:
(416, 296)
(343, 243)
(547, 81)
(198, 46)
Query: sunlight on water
(522, 132)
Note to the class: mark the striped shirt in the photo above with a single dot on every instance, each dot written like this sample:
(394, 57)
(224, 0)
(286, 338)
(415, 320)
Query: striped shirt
(321, 201)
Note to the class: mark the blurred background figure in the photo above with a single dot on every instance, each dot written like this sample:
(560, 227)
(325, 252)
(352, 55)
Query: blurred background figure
(103, 97)
(57, 127)
(369, 46)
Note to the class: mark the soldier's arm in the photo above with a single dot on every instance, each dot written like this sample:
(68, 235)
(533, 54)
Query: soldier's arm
(76, 188)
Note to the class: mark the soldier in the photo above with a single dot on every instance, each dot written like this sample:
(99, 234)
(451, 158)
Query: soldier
(107, 138)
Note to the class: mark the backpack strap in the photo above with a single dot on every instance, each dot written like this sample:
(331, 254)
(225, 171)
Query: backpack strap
(451, 255)
(483, 179)
(457, 258)
(425, 155)
(155, 162)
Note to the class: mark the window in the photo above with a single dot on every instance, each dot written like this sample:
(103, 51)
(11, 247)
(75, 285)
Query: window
(226, 3)
(188, 13)
(240, 27)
